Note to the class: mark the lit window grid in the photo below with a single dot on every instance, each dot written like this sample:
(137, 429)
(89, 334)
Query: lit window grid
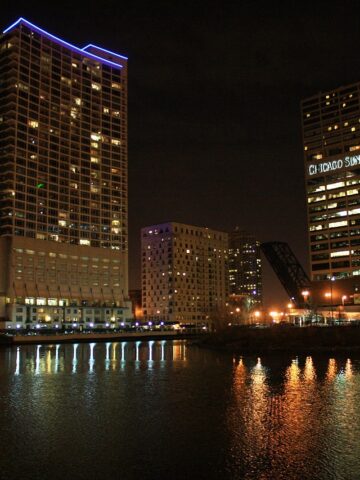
(335, 131)
(83, 182)
(331, 122)
(174, 285)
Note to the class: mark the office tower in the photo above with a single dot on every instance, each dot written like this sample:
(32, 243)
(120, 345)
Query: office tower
(245, 266)
(184, 273)
(331, 134)
(63, 224)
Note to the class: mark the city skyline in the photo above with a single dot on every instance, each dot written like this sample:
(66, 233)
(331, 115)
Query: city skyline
(214, 108)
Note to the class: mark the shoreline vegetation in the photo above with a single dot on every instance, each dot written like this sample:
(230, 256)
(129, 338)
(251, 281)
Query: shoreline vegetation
(284, 339)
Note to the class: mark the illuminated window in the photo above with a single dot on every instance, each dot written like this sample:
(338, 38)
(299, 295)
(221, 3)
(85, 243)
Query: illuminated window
(343, 253)
(343, 223)
(95, 86)
(33, 124)
(84, 241)
(331, 186)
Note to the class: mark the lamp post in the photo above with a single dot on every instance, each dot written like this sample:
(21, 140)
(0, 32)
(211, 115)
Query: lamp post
(330, 295)
(305, 294)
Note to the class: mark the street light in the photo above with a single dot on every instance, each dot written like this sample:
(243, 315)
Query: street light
(330, 295)
(305, 294)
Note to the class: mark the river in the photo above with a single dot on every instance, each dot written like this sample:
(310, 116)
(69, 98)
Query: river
(170, 410)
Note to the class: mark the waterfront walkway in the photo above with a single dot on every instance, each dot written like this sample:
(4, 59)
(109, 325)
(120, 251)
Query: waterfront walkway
(92, 337)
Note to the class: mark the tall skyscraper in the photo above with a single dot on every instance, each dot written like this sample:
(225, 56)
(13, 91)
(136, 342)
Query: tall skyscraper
(331, 134)
(63, 186)
(184, 273)
(245, 277)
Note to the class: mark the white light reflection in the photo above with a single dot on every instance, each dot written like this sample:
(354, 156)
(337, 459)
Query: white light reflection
(56, 367)
(123, 353)
(163, 350)
(17, 370)
(37, 360)
(137, 352)
(91, 360)
(74, 360)
(150, 361)
(107, 359)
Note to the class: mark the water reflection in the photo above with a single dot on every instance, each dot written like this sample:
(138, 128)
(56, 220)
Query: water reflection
(92, 357)
(221, 417)
(284, 425)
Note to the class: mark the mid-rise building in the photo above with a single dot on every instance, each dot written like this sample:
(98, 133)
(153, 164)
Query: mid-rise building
(245, 278)
(331, 135)
(184, 273)
(63, 182)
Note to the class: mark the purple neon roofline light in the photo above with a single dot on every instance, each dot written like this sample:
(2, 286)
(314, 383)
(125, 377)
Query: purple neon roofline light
(104, 50)
(62, 42)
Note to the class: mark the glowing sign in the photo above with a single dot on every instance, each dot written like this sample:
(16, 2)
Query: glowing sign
(332, 165)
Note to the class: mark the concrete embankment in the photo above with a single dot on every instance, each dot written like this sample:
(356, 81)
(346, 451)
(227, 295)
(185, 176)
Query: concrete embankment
(285, 339)
(91, 337)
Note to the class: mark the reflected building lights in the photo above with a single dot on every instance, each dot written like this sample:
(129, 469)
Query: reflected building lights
(74, 360)
(48, 361)
(348, 369)
(37, 360)
(17, 368)
(163, 351)
(56, 366)
(309, 370)
(114, 349)
(332, 370)
(91, 360)
(107, 357)
(151, 343)
(137, 351)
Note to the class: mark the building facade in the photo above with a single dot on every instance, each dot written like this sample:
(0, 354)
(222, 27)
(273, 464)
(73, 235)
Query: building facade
(63, 182)
(245, 277)
(184, 273)
(331, 136)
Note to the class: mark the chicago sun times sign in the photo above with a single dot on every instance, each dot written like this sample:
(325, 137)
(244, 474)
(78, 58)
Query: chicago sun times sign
(333, 165)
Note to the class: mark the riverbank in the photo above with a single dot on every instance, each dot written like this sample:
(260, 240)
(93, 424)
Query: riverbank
(9, 340)
(285, 339)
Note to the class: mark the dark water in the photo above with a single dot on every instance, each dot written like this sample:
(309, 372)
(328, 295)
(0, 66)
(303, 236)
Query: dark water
(167, 410)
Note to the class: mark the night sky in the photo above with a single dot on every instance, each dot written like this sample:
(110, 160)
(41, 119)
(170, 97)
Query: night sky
(214, 105)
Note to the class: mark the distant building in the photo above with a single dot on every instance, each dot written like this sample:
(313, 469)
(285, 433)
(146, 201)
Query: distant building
(184, 273)
(63, 183)
(331, 135)
(245, 277)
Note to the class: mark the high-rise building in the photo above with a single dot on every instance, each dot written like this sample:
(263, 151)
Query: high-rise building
(63, 185)
(184, 273)
(245, 277)
(331, 134)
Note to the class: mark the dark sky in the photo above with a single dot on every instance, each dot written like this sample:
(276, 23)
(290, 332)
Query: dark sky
(214, 104)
